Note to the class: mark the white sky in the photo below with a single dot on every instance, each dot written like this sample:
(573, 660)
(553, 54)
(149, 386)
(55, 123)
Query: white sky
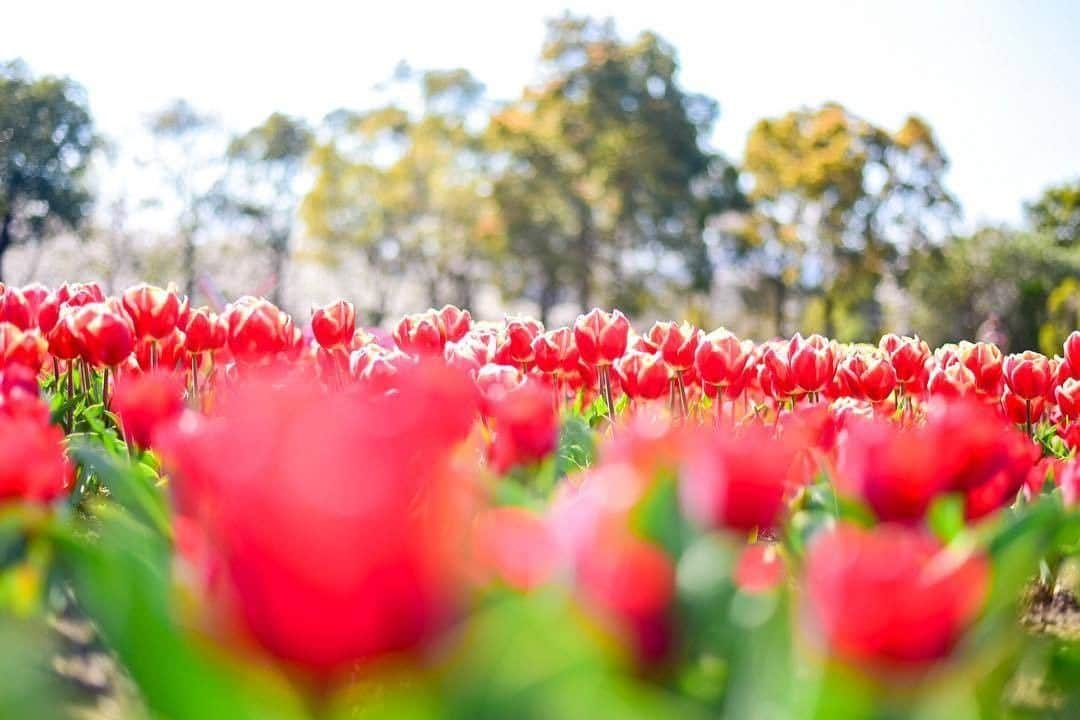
(999, 81)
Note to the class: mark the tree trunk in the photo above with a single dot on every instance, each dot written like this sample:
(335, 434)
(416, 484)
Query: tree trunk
(279, 252)
(778, 309)
(547, 298)
(828, 309)
(5, 239)
(189, 266)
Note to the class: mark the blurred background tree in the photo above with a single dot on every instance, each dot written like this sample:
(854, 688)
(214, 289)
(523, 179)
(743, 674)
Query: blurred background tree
(839, 204)
(260, 190)
(605, 182)
(189, 157)
(595, 185)
(46, 143)
(405, 185)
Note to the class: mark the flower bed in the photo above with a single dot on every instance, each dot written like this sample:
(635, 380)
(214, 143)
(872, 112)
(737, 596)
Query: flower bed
(469, 519)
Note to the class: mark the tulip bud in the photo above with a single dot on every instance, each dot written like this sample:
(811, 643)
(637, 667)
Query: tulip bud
(1067, 396)
(721, 358)
(33, 466)
(525, 425)
(22, 347)
(813, 361)
(514, 345)
(1021, 411)
(105, 337)
(153, 311)
(14, 308)
(984, 360)
(676, 342)
(145, 403)
(420, 334)
(1072, 352)
(601, 338)
(63, 340)
(907, 355)
(453, 323)
(1028, 374)
(913, 614)
(204, 331)
(953, 380)
(334, 324)
(170, 350)
(869, 376)
(642, 375)
(555, 352)
(257, 329)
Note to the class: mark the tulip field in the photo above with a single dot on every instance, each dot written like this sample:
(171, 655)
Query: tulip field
(252, 515)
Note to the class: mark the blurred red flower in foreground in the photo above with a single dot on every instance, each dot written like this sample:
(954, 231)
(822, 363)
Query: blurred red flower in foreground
(633, 583)
(332, 519)
(144, 403)
(33, 465)
(515, 547)
(525, 424)
(891, 596)
(737, 481)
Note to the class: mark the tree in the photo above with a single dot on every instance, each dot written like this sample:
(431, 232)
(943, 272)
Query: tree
(605, 183)
(403, 184)
(261, 186)
(838, 203)
(1057, 213)
(46, 143)
(189, 158)
(1015, 279)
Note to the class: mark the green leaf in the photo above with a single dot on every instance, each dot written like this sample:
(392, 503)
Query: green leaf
(577, 447)
(946, 517)
(133, 487)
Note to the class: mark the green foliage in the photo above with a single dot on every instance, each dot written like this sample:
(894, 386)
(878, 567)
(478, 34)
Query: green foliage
(1057, 213)
(46, 142)
(605, 186)
(839, 203)
(998, 275)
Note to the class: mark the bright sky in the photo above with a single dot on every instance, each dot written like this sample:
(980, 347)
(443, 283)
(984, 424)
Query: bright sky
(999, 81)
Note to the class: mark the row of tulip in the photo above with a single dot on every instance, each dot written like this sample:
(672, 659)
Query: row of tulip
(674, 523)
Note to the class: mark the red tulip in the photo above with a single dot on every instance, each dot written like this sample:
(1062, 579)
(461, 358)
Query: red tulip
(146, 403)
(869, 376)
(105, 337)
(737, 482)
(153, 310)
(984, 360)
(642, 375)
(36, 294)
(334, 324)
(33, 466)
(721, 358)
(891, 596)
(420, 334)
(1027, 374)
(812, 361)
(514, 547)
(1021, 411)
(633, 583)
(895, 470)
(775, 375)
(291, 530)
(1067, 396)
(454, 323)
(601, 338)
(23, 347)
(907, 355)
(954, 380)
(257, 329)
(676, 343)
(525, 426)
(1072, 352)
(375, 367)
(514, 344)
(556, 352)
(204, 331)
(14, 308)
(62, 338)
